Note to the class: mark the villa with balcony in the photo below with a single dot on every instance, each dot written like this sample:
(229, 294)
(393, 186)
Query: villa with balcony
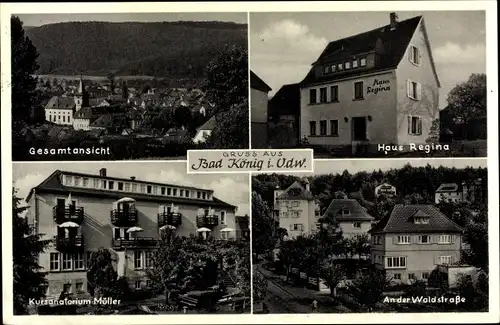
(81, 213)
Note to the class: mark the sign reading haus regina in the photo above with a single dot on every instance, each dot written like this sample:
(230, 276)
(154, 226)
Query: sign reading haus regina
(242, 161)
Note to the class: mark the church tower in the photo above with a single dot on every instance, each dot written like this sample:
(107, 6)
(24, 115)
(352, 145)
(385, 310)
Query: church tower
(81, 97)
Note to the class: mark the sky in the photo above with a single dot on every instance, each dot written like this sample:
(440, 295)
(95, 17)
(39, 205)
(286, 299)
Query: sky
(231, 188)
(283, 45)
(44, 19)
(324, 166)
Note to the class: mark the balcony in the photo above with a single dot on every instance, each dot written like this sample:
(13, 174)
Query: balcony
(172, 219)
(69, 244)
(63, 214)
(207, 221)
(141, 242)
(123, 218)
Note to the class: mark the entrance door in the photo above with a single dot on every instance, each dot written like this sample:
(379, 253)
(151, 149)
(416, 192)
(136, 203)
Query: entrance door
(359, 128)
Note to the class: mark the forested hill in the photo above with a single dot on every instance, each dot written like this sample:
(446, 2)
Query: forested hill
(162, 49)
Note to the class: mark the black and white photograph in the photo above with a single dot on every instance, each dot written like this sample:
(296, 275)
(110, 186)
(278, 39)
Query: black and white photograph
(382, 236)
(122, 238)
(370, 84)
(128, 86)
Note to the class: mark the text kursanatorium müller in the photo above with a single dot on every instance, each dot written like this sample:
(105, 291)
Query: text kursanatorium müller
(73, 302)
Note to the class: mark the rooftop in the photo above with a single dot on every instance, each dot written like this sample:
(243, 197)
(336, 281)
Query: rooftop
(356, 211)
(257, 83)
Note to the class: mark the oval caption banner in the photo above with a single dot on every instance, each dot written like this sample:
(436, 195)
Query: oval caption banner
(253, 160)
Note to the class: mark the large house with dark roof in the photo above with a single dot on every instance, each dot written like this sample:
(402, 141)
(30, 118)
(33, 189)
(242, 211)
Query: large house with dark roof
(415, 239)
(258, 107)
(284, 115)
(81, 213)
(377, 87)
(296, 209)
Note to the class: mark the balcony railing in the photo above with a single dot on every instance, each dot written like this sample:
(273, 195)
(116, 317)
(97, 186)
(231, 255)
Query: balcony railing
(172, 219)
(122, 218)
(207, 221)
(69, 244)
(63, 214)
(139, 242)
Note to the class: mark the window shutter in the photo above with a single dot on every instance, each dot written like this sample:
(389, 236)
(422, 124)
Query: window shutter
(408, 88)
(418, 95)
(419, 56)
(452, 239)
(409, 124)
(410, 53)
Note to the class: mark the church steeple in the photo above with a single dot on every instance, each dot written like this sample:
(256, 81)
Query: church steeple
(81, 97)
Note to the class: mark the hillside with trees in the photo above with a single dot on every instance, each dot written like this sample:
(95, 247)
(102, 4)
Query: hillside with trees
(173, 50)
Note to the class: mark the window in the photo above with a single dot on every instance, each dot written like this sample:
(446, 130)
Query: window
(66, 261)
(77, 181)
(95, 183)
(298, 227)
(334, 127)
(346, 212)
(347, 65)
(413, 89)
(421, 220)
(79, 265)
(312, 96)
(169, 191)
(322, 95)
(117, 233)
(155, 190)
(187, 193)
(339, 67)
(134, 188)
(138, 260)
(334, 93)
(312, 128)
(127, 187)
(322, 127)
(174, 192)
(138, 285)
(149, 259)
(414, 125)
(198, 195)
(425, 275)
(326, 70)
(163, 191)
(85, 182)
(143, 188)
(362, 62)
(181, 192)
(79, 287)
(111, 185)
(223, 217)
(445, 260)
(54, 261)
(149, 189)
(358, 90)
(414, 55)
(424, 239)
(412, 276)
(403, 239)
(397, 276)
(332, 68)
(103, 184)
(354, 64)
(445, 239)
(67, 287)
(396, 262)
(120, 186)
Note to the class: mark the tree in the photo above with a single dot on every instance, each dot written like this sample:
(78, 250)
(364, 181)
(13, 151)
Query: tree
(476, 235)
(259, 287)
(101, 276)
(359, 245)
(368, 286)
(433, 132)
(231, 128)
(263, 226)
(332, 274)
(468, 100)
(24, 65)
(182, 116)
(29, 281)
(111, 81)
(227, 79)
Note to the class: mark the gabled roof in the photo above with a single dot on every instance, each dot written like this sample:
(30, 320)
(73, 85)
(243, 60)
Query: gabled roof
(390, 44)
(401, 220)
(104, 121)
(58, 102)
(447, 188)
(53, 185)
(286, 101)
(296, 192)
(208, 125)
(257, 83)
(357, 212)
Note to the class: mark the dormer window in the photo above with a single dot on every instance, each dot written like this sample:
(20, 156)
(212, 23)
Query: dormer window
(362, 62)
(354, 64)
(339, 67)
(421, 220)
(347, 65)
(77, 181)
(332, 68)
(327, 69)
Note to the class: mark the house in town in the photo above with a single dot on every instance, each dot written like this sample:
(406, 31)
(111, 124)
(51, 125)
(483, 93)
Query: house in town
(82, 213)
(258, 110)
(297, 209)
(59, 110)
(385, 189)
(204, 131)
(243, 227)
(351, 217)
(413, 240)
(377, 87)
(284, 116)
(448, 192)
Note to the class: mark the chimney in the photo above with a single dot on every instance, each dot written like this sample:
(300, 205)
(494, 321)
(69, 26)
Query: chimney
(308, 185)
(132, 178)
(102, 172)
(394, 20)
